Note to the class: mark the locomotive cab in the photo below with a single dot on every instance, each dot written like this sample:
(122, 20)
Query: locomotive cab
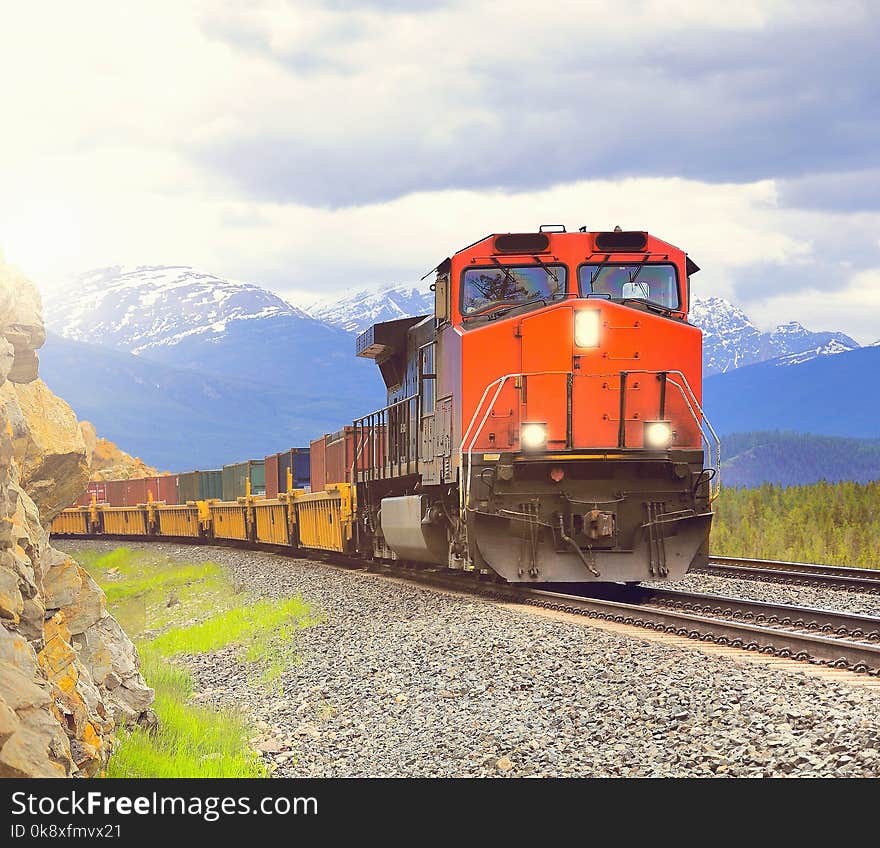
(545, 423)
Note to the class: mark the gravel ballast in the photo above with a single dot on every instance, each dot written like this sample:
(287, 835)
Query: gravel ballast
(405, 681)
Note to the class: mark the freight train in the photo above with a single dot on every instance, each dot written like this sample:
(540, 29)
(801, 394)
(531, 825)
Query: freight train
(543, 425)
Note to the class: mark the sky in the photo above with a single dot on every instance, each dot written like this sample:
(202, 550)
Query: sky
(318, 146)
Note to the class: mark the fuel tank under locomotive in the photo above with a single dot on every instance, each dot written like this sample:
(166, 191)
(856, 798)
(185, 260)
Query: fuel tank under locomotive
(581, 518)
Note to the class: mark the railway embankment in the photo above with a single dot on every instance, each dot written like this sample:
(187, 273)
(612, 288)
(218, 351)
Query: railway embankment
(68, 673)
(401, 680)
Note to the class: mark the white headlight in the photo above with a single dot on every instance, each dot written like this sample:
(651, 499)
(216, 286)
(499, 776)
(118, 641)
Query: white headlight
(533, 436)
(586, 328)
(658, 434)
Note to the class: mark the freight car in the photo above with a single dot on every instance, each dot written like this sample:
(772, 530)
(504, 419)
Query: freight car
(132, 492)
(322, 521)
(544, 425)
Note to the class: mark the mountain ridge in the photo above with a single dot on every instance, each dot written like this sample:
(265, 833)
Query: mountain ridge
(835, 395)
(156, 309)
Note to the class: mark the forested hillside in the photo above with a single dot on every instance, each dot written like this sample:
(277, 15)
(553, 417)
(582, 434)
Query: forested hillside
(834, 523)
(796, 459)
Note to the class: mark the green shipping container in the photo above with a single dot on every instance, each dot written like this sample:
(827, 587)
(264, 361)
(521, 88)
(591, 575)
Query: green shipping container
(200, 486)
(211, 485)
(188, 486)
(235, 479)
(258, 476)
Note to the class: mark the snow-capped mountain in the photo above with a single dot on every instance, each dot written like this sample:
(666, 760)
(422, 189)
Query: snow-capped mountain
(355, 312)
(830, 348)
(180, 318)
(731, 340)
(188, 319)
(150, 307)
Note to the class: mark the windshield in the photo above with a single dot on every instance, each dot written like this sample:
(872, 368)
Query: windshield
(654, 283)
(483, 288)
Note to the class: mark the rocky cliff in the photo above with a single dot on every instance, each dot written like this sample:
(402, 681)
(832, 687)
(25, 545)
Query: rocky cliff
(68, 673)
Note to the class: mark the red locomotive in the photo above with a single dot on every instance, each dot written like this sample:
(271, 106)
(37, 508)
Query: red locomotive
(545, 423)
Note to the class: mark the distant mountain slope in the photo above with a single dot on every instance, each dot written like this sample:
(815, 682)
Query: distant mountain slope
(186, 319)
(795, 459)
(237, 366)
(830, 395)
(179, 419)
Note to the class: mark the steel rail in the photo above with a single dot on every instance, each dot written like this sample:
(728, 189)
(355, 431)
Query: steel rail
(782, 638)
(795, 573)
(832, 622)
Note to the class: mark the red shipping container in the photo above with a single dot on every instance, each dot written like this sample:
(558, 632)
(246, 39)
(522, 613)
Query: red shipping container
(332, 457)
(134, 492)
(138, 491)
(317, 450)
(272, 482)
(98, 488)
(167, 490)
(338, 450)
(116, 492)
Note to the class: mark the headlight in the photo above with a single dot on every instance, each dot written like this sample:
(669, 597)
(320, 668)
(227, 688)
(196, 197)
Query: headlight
(533, 436)
(658, 434)
(586, 328)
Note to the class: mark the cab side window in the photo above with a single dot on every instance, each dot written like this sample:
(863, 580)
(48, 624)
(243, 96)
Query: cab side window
(426, 371)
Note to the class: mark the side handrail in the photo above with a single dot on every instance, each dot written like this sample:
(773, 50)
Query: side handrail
(361, 421)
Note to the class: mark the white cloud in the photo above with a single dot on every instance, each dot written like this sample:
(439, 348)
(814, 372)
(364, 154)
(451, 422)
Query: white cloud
(443, 121)
(855, 308)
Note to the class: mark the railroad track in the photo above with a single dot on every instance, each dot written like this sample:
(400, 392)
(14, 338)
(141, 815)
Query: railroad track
(865, 580)
(784, 632)
(826, 637)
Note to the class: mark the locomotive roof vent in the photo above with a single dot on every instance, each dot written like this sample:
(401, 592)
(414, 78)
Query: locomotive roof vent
(522, 243)
(621, 240)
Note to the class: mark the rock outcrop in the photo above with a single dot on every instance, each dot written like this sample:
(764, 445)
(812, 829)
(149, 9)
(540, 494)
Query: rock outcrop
(49, 449)
(108, 462)
(68, 674)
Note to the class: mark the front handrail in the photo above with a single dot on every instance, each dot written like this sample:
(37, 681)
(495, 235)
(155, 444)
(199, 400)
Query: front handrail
(684, 389)
(465, 491)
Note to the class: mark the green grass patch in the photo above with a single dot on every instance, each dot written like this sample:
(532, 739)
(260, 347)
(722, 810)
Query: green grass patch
(149, 593)
(265, 630)
(173, 608)
(256, 621)
(191, 741)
